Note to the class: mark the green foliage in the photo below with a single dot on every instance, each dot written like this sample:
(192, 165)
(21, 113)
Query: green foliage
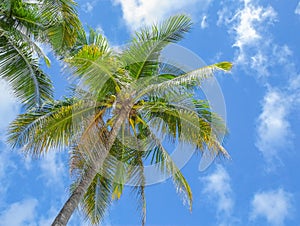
(23, 23)
(62, 24)
(141, 56)
(47, 127)
(21, 69)
(161, 102)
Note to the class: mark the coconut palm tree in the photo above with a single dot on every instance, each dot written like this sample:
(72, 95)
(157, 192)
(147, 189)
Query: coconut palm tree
(22, 23)
(126, 101)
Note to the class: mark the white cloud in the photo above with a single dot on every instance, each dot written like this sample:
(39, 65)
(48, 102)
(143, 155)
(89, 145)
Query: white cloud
(274, 132)
(53, 169)
(4, 166)
(204, 23)
(282, 54)
(257, 53)
(250, 23)
(27, 160)
(19, 213)
(218, 188)
(48, 218)
(7, 167)
(25, 213)
(297, 10)
(275, 206)
(294, 83)
(88, 7)
(99, 29)
(9, 106)
(139, 12)
(273, 127)
(245, 30)
(223, 15)
(46, 221)
(251, 18)
(3, 159)
(259, 62)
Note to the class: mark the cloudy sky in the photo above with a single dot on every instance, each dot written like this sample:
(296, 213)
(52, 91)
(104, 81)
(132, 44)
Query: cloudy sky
(260, 185)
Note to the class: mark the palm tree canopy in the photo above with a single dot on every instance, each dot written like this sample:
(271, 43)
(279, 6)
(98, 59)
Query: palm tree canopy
(161, 102)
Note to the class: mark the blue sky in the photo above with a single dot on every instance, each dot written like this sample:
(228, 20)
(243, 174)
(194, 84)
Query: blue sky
(260, 185)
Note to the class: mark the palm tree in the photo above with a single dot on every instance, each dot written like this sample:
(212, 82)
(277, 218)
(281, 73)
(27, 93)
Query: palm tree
(114, 122)
(22, 23)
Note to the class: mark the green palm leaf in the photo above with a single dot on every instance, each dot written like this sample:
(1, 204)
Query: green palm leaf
(191, 79)
(51, 126)
(164, 162)
(62, 23)
(142, 54)
(97, 199)
(21, 24)
(21, 69)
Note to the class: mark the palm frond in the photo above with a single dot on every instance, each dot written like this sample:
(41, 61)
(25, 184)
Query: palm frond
(141, 56)
(91, 39)
(170, 30)
(121, 166)
(20, 68)
(190, 78)
(22, 16)
(20, 23)
(138, 180)
(97, 199)
(107, 185)
(188, 121)
(136, 176)
(166, 165)
(97, 69)
(62, 23)
(53, 125)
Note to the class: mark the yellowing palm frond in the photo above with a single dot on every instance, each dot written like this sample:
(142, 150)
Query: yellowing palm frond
(52, 126)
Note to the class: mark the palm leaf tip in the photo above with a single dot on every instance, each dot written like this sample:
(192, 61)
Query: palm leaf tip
(225, 66)
(224, 152)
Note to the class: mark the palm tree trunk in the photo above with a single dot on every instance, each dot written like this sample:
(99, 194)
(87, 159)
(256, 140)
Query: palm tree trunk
(71, 204)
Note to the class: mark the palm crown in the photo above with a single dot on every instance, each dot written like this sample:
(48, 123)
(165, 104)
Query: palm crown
(126, 102)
